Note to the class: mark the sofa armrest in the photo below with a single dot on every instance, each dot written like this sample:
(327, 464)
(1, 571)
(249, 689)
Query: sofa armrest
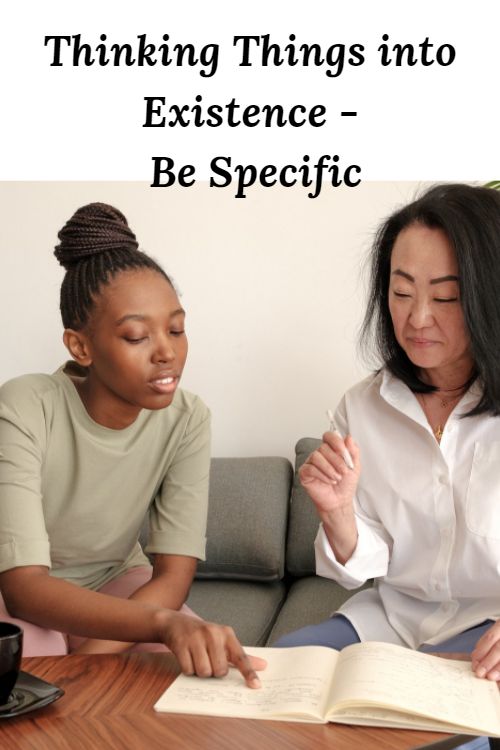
(304, 522)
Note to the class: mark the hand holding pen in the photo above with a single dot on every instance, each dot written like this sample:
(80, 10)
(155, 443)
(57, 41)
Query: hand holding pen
(333, 428)
(330, 474)
(330, 477)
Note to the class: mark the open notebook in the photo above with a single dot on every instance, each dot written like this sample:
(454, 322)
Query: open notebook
(370, 683)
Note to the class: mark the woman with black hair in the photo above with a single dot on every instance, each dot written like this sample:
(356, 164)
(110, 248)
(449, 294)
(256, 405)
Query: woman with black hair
(85, 452)
(419, 512)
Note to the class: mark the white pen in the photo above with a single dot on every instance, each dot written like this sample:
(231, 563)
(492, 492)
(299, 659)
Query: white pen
(333, 428)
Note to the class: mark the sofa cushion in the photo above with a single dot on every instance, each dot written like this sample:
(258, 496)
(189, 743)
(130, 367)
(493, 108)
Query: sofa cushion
(250, 608)
(247, 519)
(310, 600)
(304, 522)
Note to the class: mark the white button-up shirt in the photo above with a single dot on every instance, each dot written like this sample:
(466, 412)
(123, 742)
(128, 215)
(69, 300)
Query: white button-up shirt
(428, 517)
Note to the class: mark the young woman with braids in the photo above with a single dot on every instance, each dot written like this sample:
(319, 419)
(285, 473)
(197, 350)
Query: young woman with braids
(83, 454)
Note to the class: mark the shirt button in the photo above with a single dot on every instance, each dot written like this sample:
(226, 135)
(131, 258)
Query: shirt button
(443, 479)
(437, 586)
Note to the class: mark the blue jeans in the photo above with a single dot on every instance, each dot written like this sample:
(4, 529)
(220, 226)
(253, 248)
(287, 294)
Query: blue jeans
(337, 632)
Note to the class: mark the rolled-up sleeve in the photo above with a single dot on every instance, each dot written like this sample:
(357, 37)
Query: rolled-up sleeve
(178, 517)
(370, 558)
(23, 535)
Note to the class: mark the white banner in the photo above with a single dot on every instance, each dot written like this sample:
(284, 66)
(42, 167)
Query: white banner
(247, 94)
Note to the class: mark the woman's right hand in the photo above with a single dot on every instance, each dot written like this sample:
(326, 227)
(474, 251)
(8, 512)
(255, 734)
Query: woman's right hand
(325, 476)
(206, 648)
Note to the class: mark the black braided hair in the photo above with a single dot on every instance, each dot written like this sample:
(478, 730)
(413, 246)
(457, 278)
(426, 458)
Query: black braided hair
(95, 245)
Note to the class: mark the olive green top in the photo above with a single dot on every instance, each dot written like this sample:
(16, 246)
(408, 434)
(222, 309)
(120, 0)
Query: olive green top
(74, 494)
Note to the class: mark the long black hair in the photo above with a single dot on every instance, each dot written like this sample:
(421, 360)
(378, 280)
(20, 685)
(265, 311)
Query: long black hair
(470, 218)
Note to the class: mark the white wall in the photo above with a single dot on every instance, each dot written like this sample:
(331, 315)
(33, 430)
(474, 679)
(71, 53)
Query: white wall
(272, 286)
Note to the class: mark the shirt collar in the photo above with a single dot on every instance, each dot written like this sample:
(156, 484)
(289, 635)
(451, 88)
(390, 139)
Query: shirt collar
(397, 394)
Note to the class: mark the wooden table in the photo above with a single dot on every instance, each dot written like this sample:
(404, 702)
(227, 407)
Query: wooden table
(109, 704)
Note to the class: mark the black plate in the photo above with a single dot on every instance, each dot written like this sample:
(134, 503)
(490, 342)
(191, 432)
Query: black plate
(29, 693)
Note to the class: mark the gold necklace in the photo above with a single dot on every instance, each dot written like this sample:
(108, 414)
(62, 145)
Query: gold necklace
(438, 432)
(444, 402)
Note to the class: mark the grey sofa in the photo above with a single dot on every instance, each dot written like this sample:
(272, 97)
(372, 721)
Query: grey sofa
(259, 575)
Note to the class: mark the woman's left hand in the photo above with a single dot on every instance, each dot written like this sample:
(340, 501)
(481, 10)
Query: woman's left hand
(486, 655)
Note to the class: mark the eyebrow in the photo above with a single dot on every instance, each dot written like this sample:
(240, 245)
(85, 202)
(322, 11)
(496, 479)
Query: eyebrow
(139, 316)
(409, 277)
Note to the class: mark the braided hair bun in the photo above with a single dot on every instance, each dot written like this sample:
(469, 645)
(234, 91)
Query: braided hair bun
(93, 229)
(96, 244)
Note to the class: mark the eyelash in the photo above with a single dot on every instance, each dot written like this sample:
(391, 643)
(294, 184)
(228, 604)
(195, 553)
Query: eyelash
(442, 300)
(143, 338)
